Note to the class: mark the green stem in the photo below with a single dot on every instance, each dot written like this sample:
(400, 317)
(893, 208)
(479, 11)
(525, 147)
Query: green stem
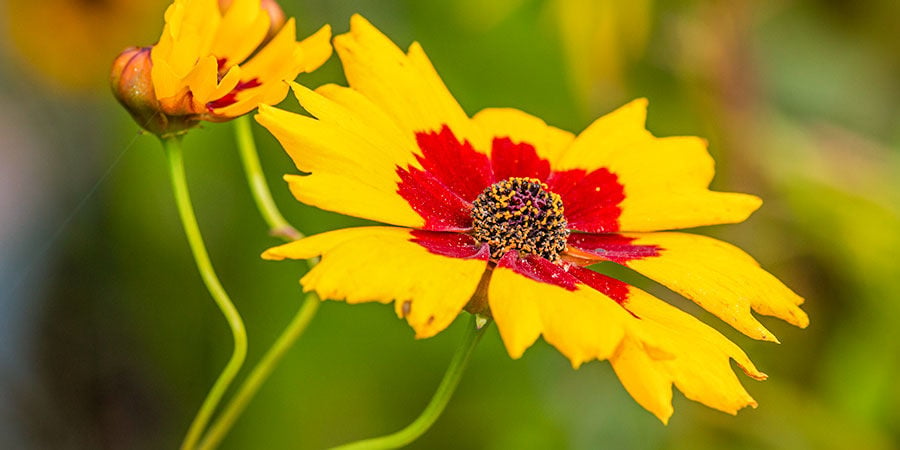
(438, 402)
(260, 373)
(278, 226)
(174, 155)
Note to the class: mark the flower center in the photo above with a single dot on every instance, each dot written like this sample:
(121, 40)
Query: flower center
(520, 214)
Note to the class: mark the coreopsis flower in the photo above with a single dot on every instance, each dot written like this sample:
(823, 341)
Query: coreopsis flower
(214, 63)
(501, 214)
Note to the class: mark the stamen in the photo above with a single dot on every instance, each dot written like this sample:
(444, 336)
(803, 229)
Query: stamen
(520, 214)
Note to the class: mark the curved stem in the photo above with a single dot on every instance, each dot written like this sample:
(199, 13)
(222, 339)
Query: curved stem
(438, 402)
(278, 226)
(172, 146)
(260, 373)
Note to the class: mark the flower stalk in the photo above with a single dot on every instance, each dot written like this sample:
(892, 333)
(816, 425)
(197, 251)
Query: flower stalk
(438, 402)
(260, 373)
(172, 146)
(278, 226)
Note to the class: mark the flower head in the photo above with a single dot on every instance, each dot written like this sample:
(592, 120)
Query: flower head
(215, 63)
(505, 208)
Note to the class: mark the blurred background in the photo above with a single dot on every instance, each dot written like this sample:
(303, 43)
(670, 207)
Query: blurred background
(108, 339)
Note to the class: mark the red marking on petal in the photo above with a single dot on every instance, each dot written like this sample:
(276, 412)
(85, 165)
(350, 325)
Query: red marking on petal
(231, 97)
(221, 63)
(455, 245)
(611, 247)
(591, 200)
(567, 276)
(442, 209)
(538, 269)
(611, 287)
(455, 164)
(452, 176)
(517, 160)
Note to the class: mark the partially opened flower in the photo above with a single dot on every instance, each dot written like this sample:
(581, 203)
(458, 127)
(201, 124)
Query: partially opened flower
(214, 63)
(500, 214)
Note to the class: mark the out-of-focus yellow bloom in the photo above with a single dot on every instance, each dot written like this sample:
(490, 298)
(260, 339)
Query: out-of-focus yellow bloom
(214, 64)
(600, 38)
(69, 43)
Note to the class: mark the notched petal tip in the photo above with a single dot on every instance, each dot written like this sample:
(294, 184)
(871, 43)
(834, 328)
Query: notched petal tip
(798, 317)
(357, 20)
(316, 48)
(748, 203)
(753, 373)
(664, 416)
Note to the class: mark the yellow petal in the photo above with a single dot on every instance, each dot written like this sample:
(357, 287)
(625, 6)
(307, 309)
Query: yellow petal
(275, 65)
(650, 344)
(641, 377)
(522, 127)
(316, 49)
(190, 30)
(405, 86)
(665, 179)
(204, 83)
(166, 83)
(721, 278)
(249, 99)
(669, 346)
(582, 324)
(380, 264)
(242, 29)
(352, 164)
(281, 59)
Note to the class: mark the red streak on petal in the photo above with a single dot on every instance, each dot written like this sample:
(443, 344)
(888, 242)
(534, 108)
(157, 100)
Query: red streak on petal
(453, 174)
(538, 269)
(451, 177)
(221, 62)
(611, 247)
(567, 276)
(517, 160)
(456, 164)
(231, 97)
(611, 287)
(455, 245)
(442, 209)
(591, 199)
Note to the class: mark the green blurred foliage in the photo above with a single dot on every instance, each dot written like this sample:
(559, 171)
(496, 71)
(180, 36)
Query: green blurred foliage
(799, 100)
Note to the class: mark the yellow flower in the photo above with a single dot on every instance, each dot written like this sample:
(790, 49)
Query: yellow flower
(209, 64)
(500, 214)
(70, 42)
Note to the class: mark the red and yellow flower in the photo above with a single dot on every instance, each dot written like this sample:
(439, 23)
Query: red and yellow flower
(214, 63)
(500, 214)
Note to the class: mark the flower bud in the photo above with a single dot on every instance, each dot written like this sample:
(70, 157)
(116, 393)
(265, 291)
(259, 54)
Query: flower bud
(132, 86)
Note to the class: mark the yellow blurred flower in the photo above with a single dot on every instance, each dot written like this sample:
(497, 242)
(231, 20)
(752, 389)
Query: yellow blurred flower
(70, 42)
(213, 64)
(600, 39)
(501, 214)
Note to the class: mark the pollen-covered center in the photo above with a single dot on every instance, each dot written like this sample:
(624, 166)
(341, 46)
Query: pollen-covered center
(520, 214)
